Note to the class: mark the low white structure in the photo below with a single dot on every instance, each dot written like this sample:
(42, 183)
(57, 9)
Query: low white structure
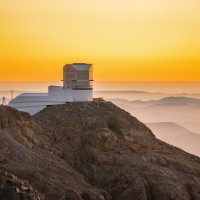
(77, 86)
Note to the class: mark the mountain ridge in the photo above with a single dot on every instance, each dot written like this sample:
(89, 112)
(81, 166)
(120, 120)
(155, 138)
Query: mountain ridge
(93, 151)
(177, 135)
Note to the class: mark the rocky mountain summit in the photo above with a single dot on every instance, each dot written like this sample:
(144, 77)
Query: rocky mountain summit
(90, 151)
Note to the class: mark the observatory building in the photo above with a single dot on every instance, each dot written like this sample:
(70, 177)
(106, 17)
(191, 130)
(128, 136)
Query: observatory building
(77, 86)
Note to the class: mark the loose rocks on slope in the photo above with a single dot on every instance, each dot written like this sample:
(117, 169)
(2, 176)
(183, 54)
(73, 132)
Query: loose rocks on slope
(94, 150)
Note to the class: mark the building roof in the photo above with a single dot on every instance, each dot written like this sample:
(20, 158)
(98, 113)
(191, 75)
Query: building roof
(80, 66)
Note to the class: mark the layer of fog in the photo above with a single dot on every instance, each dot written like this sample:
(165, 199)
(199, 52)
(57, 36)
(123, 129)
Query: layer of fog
(174, 119)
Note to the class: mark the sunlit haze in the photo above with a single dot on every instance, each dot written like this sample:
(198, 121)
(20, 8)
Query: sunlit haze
(126, 40)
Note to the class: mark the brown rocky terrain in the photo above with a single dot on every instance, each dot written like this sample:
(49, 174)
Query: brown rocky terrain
(90, 151)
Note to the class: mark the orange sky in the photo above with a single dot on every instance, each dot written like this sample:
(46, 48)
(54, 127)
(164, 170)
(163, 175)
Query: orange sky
(130, 40)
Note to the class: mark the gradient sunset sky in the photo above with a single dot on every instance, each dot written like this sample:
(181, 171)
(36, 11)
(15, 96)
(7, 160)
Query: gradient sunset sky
(126, 40)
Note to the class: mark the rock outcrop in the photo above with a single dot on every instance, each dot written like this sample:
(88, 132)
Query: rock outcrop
(86, 151)
(13, 188)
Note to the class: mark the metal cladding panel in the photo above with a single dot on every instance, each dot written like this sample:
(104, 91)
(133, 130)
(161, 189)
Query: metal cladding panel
(69, 74)
(77, 75)
(83, 75)
(82, 67)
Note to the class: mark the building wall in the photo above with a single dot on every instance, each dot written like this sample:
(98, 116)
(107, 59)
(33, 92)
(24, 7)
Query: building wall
(35, 102)
(83, 75)
(75, 78)
(56, 90)
(82, 95)
(32, 110)
(91, 73)
(69, 74)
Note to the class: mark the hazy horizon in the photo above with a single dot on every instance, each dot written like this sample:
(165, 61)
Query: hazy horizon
(181, 112)
(147, 86)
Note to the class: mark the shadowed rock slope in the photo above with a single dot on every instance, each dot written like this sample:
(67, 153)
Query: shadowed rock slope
(91, 151)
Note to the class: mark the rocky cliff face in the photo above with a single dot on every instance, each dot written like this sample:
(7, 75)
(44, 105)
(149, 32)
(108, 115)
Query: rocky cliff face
(86, 151)
(13, 188)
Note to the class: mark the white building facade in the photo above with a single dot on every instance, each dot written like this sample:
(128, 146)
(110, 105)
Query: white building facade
(77, 86)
